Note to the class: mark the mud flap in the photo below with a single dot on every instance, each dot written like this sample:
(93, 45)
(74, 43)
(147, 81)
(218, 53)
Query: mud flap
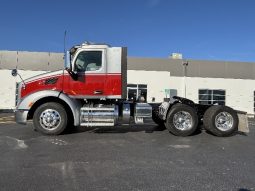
(243, 122)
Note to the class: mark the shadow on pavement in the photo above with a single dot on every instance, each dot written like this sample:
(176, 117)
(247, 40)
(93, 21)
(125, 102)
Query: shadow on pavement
(117, 129)
(122, 129)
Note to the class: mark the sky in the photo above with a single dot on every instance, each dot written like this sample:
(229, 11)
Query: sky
(199, 29)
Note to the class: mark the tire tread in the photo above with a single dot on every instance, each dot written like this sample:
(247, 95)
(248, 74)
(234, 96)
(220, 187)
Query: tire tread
(64, 118)
(209, 118)
(171, 127)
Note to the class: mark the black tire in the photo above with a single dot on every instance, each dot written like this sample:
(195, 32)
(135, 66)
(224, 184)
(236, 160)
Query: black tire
(214, 112)
(52, 109)
(181, 109)
(157, 120)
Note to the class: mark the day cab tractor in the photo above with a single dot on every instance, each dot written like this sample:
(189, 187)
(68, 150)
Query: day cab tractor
(92, 91)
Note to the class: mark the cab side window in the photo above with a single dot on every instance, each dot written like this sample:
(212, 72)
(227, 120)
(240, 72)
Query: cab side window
(88, 61)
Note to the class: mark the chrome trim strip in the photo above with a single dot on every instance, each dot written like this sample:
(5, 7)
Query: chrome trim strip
(95, 97)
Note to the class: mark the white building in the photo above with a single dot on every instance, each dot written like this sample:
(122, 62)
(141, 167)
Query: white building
(208, 82)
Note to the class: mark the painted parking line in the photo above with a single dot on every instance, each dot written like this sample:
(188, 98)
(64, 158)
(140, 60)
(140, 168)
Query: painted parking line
(7, 119)
(251, 124)
(13, 122)
(7, 122)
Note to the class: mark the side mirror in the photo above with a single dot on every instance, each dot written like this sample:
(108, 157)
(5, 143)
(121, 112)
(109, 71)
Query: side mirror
(67, 60)
(68, 66)
(14, 72)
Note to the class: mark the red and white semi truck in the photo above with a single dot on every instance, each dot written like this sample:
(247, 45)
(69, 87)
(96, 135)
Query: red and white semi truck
(92, 91)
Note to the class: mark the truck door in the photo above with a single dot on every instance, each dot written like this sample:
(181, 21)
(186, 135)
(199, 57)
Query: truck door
(90, 66)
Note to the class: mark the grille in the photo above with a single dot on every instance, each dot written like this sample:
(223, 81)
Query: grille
(17, 94)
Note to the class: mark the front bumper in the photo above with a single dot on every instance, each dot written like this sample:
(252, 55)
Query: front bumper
(21, 116)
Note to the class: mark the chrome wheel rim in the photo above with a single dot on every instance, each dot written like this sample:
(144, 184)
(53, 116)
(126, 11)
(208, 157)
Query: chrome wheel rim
(182, 120)
(50, 119)
(224, 121)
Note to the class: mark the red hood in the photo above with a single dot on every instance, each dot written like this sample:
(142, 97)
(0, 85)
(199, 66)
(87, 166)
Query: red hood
(46, 81)
(44, 75)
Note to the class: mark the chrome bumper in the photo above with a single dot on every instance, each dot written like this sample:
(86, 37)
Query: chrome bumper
(21, 116)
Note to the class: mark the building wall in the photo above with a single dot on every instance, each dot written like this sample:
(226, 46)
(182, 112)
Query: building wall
(8, 86)
(239, 92)
(195, 68)
(155, 88)
(35, 61)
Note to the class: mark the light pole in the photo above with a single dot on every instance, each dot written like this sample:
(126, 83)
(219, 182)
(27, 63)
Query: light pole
(185, 64)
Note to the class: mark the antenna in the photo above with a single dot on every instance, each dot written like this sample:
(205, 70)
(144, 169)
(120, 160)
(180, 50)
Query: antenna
(65, 42)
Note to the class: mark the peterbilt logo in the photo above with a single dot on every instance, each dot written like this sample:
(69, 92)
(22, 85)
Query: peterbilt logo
(50, 81)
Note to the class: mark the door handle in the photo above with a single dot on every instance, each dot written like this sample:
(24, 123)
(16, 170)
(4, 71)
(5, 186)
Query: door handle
(96, 92)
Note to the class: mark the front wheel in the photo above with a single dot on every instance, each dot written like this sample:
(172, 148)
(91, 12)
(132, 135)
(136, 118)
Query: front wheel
(50, 118)
(221, 121)
(182, 120)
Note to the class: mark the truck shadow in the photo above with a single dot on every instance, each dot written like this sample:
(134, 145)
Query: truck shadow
(122, 129)
(236, 133)
(116, 129)
(148, 127)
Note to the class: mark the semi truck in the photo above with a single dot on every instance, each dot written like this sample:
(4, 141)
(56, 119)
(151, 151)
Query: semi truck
(91, 91)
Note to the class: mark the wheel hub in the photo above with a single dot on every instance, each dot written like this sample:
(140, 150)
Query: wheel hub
(182, 120)
(50, 119)
(224, 121)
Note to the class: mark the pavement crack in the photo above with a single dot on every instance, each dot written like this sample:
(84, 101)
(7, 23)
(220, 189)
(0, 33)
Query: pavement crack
(58, 142)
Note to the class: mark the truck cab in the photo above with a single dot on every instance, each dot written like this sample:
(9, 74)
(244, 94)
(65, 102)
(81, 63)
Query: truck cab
(96, 71)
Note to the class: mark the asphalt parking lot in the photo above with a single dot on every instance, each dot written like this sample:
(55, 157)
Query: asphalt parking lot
(124, 158)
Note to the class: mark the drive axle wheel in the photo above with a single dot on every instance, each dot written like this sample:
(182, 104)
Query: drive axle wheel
(50, 118)
(221, 120)
(182, 120)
